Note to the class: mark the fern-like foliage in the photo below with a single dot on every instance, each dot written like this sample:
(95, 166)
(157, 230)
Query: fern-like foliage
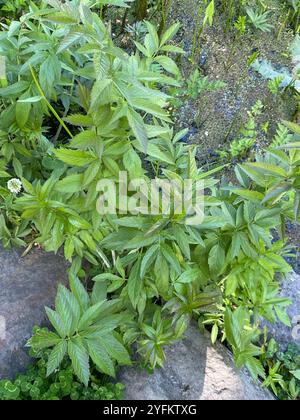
(282, 136)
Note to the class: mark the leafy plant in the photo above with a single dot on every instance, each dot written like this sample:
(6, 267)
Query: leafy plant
(107, 111)
(283, 370)
(260, 20)
(293, 13)
(84, 328)
(209, 10)
(277, 173)
(137, 31)
(231, 9)
(274, 85)
(12, 8)
(282, 137)
(241, 25)
(61, 385)
(195, 85)
(241, 335)
(239, 147)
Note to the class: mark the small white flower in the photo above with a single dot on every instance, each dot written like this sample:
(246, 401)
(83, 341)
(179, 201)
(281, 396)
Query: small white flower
(14, 185)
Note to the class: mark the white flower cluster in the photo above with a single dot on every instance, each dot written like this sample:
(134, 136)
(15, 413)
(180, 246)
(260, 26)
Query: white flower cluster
(14, 185)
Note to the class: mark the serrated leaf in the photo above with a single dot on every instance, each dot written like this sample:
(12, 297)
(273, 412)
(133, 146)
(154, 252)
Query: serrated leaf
(43, 339)
(68, 40)
(90, 315)
(79, 120)
(57, 322)
(152, 39)
(158, 154)
(169, 33)
(283, 316)
(216, 259)
(56, 357)
(267, 169)
(182, 241)
(80, 361)
(14, 89)
(148, 259)
(68, 309)
(70, 184)
(78, 222)
(138, 128)
(106, 277)
(22, 113)
(115, 349)
(97, 92)
(168, 64)
(75, 157)
(171, 257)
(100, 357)
(80, 293)
(190, 275)
(135, 284)
(249, 194)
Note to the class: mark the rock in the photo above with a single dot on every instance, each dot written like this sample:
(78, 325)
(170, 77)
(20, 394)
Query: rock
(194, 370)
(283, 334)
(26, 286)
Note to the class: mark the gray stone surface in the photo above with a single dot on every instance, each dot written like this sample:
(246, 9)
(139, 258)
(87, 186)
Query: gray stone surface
(26, 286)
(194, 370)
(281, 333)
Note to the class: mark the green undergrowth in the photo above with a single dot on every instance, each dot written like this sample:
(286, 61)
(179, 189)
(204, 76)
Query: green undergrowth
(77, 108)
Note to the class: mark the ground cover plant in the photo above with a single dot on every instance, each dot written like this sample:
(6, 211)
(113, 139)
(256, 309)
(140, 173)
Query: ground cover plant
(36, 385)
(79, 106)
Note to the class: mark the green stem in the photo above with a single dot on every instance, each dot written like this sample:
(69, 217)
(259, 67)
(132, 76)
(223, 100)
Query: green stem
(48, 103)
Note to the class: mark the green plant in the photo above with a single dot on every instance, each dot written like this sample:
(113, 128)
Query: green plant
(282, 137)
(32, 154)
(293, 14)
(61, 385)
(153, 271)
(52, 79)
(209, 11)
(257, 12)
(85, 328)
(241, 335)
(278, 174)
(260, 20)
(197, 85)
(137, 31)
(239, 147)
(231, 9)
(283, 370)
(241, 25)
(275, 85)
(12, 8)
(194, 86)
